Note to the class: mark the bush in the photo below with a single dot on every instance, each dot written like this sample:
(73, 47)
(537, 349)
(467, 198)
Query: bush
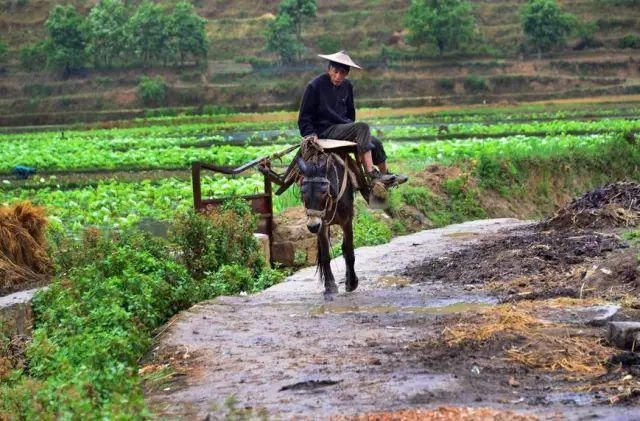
(222, 237)
(630, 41)
(475, 83)
(4, 50)
(34, 57)
(327, 44)
(446, 84)
(152, 92)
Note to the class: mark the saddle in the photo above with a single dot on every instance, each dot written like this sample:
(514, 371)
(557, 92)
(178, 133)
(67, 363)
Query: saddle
(345, 152)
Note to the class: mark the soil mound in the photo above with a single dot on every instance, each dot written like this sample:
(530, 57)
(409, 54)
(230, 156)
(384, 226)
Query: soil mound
(524, 253)
(23, 257)
(612, 205)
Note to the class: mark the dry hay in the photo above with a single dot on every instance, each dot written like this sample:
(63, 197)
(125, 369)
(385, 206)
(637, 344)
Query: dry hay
(548, 346)
(23, 255)
(612, 205)
(443, 414)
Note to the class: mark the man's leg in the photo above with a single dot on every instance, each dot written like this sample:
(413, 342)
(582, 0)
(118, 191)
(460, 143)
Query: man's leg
(379, 158)
(361, 135)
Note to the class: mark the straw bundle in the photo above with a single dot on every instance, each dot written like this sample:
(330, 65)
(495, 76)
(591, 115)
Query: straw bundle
(23, 256)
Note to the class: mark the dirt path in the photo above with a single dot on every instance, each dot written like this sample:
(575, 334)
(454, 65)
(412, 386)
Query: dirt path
(287, 354)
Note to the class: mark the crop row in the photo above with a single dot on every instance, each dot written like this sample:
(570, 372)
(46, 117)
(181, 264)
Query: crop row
(115, 203)
(77, 153)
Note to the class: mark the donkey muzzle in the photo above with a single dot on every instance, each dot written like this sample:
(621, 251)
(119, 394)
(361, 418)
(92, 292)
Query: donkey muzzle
(313, 224)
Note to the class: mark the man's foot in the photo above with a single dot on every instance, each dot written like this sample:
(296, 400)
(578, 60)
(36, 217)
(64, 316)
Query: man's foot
(376, 176)
(400, 178)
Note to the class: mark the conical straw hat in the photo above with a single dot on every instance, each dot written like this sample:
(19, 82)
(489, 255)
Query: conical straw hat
(341, 57)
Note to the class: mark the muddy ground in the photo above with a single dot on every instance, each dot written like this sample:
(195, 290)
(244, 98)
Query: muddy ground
(409, 339)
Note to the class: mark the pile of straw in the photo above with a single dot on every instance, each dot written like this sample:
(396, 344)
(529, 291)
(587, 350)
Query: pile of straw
(547, 346)
(23, 255)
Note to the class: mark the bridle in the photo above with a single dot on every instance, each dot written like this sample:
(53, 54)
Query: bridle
(330, 201)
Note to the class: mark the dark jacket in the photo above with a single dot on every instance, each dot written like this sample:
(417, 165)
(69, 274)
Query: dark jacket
(324, 105)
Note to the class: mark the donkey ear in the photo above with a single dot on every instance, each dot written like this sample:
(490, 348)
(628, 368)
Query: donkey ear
(301, 164)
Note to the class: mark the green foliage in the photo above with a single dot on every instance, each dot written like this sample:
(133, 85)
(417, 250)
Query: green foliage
(630, 41)
(66, 49)
(545, 25)
(34, 57)
(187, 32)
(149, 34)
(223, 236)
(474, 83)
(447, 24)
(106, 32)
(446, 84)
(327, 43)
(300, 12)
(369, 231)
(284, 33)
(281, 39)
(4, 52)
(152, 92)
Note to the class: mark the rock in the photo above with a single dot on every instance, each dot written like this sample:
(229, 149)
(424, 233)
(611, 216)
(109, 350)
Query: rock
(263, 240)
(624, 335)
(592, 315)
(16, 315)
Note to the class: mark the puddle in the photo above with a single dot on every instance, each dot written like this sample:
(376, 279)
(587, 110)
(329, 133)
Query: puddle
(461, 235)
(571, 398)
(460, 307)
(393, 281)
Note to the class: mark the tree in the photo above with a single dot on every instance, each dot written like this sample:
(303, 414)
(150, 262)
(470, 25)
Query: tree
(187, 31)
(545, 25)
(148, 33)
(448, 24)
(300, 12)
(281, 38)
(106, 32)
(67, 39)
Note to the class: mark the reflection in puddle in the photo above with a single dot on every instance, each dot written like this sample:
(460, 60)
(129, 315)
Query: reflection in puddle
(393, 281)
(385, 309)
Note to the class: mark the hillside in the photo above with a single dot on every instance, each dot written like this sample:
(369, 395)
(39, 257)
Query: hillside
(241, 75)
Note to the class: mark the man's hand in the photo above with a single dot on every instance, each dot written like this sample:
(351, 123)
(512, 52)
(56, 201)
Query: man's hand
(311, 137)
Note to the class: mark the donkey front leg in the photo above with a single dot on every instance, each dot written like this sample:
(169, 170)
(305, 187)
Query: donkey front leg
(324, 264)
(351, 280)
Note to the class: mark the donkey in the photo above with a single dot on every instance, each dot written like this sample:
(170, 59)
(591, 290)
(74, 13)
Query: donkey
(327, 190)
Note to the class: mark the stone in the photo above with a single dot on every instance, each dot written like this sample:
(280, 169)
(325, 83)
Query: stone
(624, 334)
(16, 314)
(265, 246)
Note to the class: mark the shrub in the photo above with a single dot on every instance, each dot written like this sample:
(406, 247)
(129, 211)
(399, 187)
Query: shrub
(327, 44)
(34, 57)
(475, 83)
(630, 41)
(446, 84)
(222, 237)
(152, 92)
(3, 53)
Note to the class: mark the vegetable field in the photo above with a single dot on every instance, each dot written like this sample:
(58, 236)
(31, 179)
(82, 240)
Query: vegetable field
(141, 170)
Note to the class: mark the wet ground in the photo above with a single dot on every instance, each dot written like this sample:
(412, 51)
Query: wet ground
(287, 354)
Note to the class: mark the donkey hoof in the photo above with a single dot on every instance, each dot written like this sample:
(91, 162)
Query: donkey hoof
(329, 295)
(352, 285)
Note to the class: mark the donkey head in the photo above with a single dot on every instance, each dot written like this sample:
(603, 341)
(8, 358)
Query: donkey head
(315, 191)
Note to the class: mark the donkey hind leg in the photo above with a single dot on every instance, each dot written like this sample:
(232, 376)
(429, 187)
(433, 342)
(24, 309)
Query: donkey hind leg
(324, 264)
(351, 280)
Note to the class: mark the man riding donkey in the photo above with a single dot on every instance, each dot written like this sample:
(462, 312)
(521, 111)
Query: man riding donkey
(328, 112)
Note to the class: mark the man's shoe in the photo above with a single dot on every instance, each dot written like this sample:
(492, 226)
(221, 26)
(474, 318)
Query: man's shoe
(400, 178)
(376, 176)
